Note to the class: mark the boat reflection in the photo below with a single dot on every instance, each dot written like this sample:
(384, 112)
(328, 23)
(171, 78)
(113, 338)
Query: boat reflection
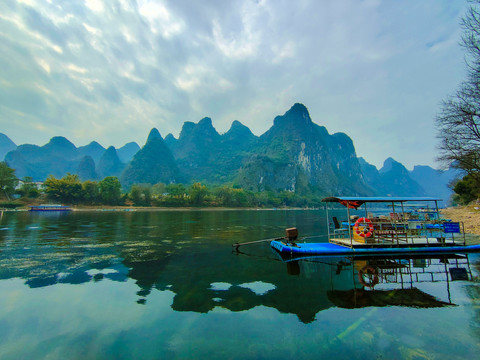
(389, 281)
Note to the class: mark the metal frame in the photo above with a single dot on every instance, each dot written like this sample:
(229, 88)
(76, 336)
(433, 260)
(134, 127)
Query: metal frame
(398, 233)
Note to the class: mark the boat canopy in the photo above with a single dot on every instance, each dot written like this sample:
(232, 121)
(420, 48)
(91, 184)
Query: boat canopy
(356, 202)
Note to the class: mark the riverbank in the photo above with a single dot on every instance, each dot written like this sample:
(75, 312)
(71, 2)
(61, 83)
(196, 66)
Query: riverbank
(85, 208)
(470, 216)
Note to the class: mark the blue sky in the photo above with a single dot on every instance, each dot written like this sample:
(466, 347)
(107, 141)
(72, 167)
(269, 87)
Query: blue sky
(110, 71)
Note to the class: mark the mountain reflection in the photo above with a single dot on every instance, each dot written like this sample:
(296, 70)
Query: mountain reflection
(188, 253)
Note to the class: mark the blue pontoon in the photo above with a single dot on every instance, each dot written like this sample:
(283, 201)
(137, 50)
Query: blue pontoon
(395, 232)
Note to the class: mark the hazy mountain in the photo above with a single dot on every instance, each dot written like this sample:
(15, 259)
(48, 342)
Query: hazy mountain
(393, 179)
(109, 164)
(127, 151)
(86, 169)
(198, 152)
(396, 180)
(238, 137)
(59, 146)
(6, 145)
(56, 158)
(152, 164)
(94, 150)
(170, 141)
(297, 155)
(435, 182)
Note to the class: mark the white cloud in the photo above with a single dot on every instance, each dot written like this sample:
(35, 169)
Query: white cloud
(76, 69)
(354, 64)
(160, 18)
(92, 30)
(95, 5)
(44, 65)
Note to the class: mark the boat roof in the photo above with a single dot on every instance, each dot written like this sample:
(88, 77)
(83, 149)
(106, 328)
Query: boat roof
(355, 202)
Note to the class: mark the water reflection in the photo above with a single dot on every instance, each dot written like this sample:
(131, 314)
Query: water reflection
(161, 283)
(184, 252)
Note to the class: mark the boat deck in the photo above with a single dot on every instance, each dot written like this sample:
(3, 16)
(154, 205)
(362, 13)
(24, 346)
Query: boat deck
(400, 243)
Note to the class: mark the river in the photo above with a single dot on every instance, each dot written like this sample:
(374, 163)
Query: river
(166, 284)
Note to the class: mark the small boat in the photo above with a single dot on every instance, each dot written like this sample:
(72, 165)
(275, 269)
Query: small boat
(50, 208)
(382, 235)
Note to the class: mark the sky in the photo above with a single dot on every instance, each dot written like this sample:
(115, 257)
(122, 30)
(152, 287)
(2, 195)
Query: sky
(112, 70)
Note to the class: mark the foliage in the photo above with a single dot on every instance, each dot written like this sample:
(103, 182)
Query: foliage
(467, 190)
(158, 189)
(197, 193)
(70, 190)
(10, 204)
(175, 195)
(8, 180)
(91, 192)
(65, 190)
(110, 190)
(28, 188)
(230, 196)
(459, 120)
(141, 194)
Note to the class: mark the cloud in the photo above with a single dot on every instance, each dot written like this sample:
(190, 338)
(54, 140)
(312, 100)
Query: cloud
(111, 70)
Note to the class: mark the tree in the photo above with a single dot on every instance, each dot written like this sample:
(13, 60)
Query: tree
(158, 189)
(459, 120)
(141, 194)
(91, 192)
(176, 194)
(28, 188)
(8, 180)
(110, 190)
(467, 190)
(66, 190)
(197, 193)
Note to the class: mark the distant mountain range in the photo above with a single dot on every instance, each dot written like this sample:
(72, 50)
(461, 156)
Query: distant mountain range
(59, 157)
(295, 154)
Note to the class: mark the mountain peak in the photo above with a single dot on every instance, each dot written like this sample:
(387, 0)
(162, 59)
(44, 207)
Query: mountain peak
(127, 151)
(154, 134)
(297, 114)
(60, 141)
(390, 164)
(6, 145)
(236, 124)
(95, 144)
(204, 128)
(206, 121)
(238, 127)
(109, 164)
(299, 108)
(60, 146)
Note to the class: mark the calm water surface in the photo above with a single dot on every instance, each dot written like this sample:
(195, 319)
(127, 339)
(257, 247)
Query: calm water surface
(150, 285)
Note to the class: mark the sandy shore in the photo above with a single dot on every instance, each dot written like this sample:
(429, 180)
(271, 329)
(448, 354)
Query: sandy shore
(470, 216)
(466, 214)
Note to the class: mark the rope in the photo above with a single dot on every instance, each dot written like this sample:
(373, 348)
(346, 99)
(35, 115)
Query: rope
(255, 242)
(237, 245)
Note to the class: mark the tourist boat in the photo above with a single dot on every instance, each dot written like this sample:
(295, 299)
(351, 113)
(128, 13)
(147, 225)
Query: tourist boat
(396, 233)
(50, 208)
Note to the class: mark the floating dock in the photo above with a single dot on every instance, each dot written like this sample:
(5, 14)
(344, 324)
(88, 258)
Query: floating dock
(339, 250)
(415, 232)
